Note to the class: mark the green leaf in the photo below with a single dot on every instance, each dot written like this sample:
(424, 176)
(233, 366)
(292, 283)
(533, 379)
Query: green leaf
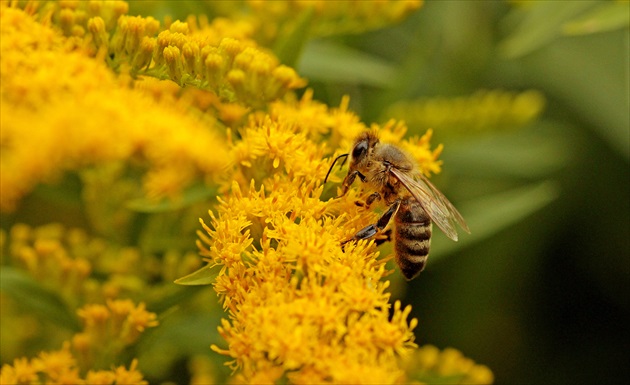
(490, 214)
(327, 61)
(190, 196)
(204, 276)
(163, 300)
(607, 16)
(185, 333)
(291, 42)
(29, 294)
(534, 154)
(541, 24)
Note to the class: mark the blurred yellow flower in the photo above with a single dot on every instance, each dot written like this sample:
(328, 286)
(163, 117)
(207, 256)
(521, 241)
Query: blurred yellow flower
(60, 367)
(108, 329)
(66, 261)
(275, 20)
(483, 111)
(80, 115)
(428, 363)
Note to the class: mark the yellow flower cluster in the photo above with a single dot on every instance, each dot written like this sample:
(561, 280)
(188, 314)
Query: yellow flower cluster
(66, 260)
(276, 19)
(233, 70)
(63, 261)
(42, 254)
(484, 110)
(79, 115)
(60, 367)
(73, 17)
(209, 56)
(108, 329)
(301, 306)
(428, 363)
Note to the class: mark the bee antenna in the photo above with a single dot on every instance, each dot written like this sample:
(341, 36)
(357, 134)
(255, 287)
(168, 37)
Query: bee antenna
(345, 156)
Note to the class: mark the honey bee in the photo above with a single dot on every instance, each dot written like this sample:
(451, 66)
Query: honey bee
(413, 201)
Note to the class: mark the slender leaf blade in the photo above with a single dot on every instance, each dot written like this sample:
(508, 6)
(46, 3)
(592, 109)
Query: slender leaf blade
(33, 297)
(607, 16)
(189, 197)
(331, 62)
(291, 43)
(488, 215)
(541, 24)
(204, 276)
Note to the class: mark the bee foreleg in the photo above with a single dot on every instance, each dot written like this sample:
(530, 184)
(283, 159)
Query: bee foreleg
(375, 228)
(348, 180)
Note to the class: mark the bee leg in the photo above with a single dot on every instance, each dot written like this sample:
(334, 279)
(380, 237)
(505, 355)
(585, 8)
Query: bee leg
(348, 180)
(375, 228)
(384, 237)
(370, 199)
(373, 197)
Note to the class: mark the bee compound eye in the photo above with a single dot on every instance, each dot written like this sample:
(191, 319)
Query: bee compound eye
(360, 149)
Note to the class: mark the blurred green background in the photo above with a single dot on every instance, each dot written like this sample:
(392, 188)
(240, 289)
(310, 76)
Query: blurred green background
(539, 291)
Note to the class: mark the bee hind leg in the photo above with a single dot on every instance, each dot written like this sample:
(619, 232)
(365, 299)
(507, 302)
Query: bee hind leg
(378, 227)
(386, 236)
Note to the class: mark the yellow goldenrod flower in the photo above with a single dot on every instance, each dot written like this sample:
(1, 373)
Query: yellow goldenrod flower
(21, 372)
(53, 91)
(129, 376)
(60, 367)
(300, 306)
(62, 260)
(428, 362)
(120, 375)
(209, 58)
(100, 377)
(219, 28)
(66, 261)
(131, 41)
(277, 19)
(45, 256)
(338, 126)
(108, 329)
(481, 111)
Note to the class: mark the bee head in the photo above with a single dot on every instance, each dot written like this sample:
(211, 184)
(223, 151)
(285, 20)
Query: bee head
(362, 150)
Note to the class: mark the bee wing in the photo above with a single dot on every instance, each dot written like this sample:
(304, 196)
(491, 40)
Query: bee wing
(451, 209)
(439, 209)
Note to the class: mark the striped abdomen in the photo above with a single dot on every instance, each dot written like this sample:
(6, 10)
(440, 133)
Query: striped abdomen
(413, 237)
